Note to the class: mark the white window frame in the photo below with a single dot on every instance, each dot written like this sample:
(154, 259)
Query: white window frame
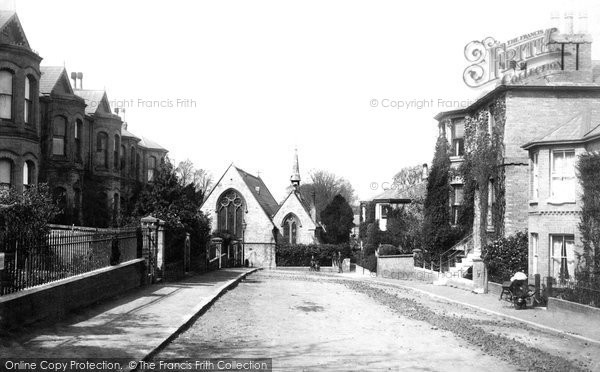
(535, 174)
(535, 247)
(556, 176)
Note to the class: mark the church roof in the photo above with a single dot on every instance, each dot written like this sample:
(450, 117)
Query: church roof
(303, 202)
(260, 192)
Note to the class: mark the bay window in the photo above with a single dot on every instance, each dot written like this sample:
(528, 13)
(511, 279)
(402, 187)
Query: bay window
(6, 94)
(28, 109)
(5, 174)
(59, 130)
(563, 175)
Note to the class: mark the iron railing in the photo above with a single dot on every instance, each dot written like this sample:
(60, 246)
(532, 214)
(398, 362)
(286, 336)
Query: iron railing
(63, 252)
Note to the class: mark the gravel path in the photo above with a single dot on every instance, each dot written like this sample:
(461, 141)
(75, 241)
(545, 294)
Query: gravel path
(312, 322)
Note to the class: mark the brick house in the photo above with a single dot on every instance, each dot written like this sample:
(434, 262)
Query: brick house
(523, 116)
(66, 137)
(248, 223)
(554, 203)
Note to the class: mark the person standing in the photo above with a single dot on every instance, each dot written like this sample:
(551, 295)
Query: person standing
(339, 262)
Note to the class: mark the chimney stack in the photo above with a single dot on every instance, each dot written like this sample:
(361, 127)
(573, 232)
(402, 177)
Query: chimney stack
(74, 77)
(582, 22)
(568, 22)
(80, 77)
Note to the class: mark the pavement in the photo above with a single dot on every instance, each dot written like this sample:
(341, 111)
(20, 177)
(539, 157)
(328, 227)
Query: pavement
(568, 324)
(132, 327)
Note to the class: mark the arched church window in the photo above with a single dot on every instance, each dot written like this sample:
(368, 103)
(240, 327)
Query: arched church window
(290, 229)
(230, 211)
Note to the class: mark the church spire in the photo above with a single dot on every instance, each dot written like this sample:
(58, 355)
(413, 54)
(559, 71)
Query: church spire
(295, 178)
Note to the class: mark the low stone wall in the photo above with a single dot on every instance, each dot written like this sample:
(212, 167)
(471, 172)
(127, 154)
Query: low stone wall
(562, 306)
(400, 266)
(54, 300)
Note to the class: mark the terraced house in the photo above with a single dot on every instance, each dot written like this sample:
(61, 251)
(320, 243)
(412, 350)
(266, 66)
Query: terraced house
(533, 129)
(58, 133)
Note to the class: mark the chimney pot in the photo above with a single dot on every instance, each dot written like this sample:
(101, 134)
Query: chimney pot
(569, 22)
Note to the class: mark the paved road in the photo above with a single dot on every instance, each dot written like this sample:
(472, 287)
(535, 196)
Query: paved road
(313, 323)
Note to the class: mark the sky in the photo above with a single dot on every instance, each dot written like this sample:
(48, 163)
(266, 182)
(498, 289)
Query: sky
(247, 82)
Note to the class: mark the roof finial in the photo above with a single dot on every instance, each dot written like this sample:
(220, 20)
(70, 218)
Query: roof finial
(295, 178)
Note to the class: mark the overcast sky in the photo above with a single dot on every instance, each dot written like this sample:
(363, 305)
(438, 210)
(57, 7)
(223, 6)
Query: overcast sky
(268, 76)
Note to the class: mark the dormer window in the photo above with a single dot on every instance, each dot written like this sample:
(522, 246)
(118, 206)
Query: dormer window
(6, 94)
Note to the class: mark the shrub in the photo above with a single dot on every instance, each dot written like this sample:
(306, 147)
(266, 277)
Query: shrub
(369, 263)
(388, 250)
(301, 254)
(506, 256)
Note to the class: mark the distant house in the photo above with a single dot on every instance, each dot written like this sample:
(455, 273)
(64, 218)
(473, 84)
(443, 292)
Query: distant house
(378, 208)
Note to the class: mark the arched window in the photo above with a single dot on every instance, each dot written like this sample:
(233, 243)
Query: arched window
(230, 211)
(151, 168)
(5, 174)
(78, 137)
(132, 162)
(59, 138)
(28, 112)
(28, 174)
(117, 146)
(290, 228)
(6, 94)
(138, 166)
(122, 156)
(102, 149)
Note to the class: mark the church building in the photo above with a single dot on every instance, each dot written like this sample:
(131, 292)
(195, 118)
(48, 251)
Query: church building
(248, 223)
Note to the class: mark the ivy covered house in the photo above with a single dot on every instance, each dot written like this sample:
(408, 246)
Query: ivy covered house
(512, 153)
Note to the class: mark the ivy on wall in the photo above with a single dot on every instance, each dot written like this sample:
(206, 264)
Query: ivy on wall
(484, 162)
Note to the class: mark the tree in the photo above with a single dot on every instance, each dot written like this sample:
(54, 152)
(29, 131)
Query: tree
(168, 199)
(589, 267)
(27, 213)
(188, 174)
(404, 227)
(408, 176)
(437, 233)
(338, 219)
(324, 186)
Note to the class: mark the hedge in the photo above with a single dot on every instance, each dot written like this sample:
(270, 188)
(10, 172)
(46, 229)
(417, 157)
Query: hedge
(506, 256)
(300, 254)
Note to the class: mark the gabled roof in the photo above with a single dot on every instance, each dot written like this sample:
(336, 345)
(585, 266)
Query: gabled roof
(263, 196)
(10, 19)
(51, 75)
(94, 99)
(149, 144)
(581, 128)
(260, 192)
(303, 203)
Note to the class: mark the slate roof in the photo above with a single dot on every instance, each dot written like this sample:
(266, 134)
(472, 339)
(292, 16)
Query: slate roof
(6, 16)
(148, 143)
(402, 195)
(580, 128)
(50, 77)
(126, 133)
(305, 204)
(92, 98)
(262, 195)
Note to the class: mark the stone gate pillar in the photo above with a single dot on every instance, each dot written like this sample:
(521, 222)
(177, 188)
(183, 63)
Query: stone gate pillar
(153, 237)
